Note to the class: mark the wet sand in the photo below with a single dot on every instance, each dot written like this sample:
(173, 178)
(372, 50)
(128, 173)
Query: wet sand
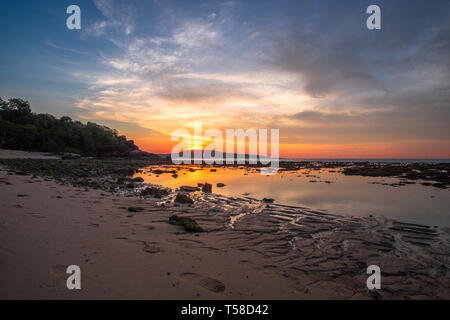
(251, 250)
(19, 154)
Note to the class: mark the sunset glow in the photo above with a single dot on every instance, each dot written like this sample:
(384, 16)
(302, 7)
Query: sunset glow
(332, 87)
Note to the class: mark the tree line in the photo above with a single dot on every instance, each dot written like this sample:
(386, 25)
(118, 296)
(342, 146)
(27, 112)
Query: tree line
(22, 129)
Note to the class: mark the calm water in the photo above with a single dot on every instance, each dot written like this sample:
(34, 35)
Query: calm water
(347, 195)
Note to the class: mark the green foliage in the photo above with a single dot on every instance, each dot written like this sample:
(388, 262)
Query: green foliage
(22, 129)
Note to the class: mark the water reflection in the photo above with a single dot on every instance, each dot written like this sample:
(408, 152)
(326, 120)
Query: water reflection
(325, 189)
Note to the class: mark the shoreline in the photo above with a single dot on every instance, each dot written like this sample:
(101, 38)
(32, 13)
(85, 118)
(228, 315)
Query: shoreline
(250, 250)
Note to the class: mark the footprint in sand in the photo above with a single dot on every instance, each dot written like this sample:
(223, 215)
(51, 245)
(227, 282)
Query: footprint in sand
(210, 284)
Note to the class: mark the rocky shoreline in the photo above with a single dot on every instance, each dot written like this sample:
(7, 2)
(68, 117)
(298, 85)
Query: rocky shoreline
(110, 174)
(316, 251)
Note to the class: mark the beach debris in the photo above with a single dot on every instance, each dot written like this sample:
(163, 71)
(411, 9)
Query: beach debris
(183, 198)
(189, 224)
(221, 185)
(135, 209)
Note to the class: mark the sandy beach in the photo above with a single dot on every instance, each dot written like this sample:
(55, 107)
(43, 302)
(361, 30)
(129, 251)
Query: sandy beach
(250, 250)
(138, 257)
(19, 154)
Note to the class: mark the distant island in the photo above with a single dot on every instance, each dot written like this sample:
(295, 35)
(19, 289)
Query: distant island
(22, 129)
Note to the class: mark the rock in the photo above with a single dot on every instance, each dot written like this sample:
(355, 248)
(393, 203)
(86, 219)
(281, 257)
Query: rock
(135, 209)
(220, 185)
(183, 198)
(268, 200)
(207, 187)
(213, 170)
(121, 180)
(160, 171)
(155, 192)
(67, 156)
(189, 224)
(189, 188)
(137, 179)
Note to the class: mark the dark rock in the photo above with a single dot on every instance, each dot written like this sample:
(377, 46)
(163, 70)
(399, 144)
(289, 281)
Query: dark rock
(268, 200)
(189, 224)
(135, 209)
(67, 156)
(207, 187)
(189, 188)
(220, 185)
(155, 192)
(183, 198)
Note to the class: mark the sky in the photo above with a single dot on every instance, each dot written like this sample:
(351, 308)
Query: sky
(310, 68)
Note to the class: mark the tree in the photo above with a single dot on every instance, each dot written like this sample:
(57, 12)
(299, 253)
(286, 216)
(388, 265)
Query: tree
(20, 128)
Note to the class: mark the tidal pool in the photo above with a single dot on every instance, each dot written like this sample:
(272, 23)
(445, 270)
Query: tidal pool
(324, 189)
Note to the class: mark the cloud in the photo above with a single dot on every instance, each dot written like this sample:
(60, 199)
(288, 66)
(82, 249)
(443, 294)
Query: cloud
(119, 16)
(53, 45)
(320, 78)
(341, 56)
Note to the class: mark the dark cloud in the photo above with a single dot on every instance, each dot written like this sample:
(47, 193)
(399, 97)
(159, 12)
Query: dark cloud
(334, 52)
(391, 85)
